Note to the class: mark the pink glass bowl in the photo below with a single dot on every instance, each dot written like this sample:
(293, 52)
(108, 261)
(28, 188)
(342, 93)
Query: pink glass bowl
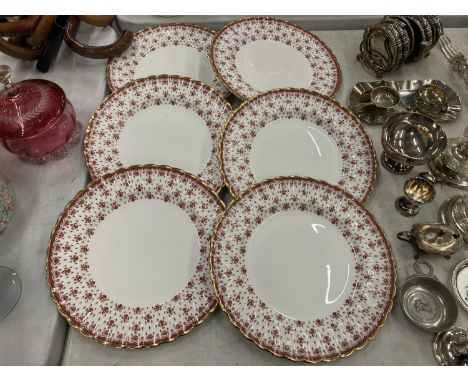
(37, 122)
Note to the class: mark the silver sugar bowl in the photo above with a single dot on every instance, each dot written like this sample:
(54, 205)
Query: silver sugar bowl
(452, 165)
(410, 139)
(454, 211)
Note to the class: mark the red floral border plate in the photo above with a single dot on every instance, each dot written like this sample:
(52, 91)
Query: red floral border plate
(105, 126)
(359, 169)
(362, 312)
(326, 70)
(78, 297)
(120, 70)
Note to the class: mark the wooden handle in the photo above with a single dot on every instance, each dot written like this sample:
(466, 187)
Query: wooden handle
(23, 27)
(42, 31)
(97, 21)
(17, 51)
(106, 51)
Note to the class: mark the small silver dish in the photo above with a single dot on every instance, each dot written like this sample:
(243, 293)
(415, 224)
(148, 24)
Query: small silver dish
(431, 99)
(381, 97)
(407, 91)
(460, 283)
(450, 347)
(433, 239)
(426, 302)
(418, 190)
(410, 139)
(454, 211)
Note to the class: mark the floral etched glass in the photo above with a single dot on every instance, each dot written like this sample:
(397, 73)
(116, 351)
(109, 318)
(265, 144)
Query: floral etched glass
(37, 122)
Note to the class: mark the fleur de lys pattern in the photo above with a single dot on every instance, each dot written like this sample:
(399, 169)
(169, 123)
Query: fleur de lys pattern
(7, 204)
(101, 144)
(120, 70)
(357, 152)
(341, 332)
(228, 41)
(78, 296)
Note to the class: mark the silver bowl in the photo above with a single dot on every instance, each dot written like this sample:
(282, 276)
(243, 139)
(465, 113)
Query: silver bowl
(426, 302)
(410, 139)
(431, 99)
(381, 98)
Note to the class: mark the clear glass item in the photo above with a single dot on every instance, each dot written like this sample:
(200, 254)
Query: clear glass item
(37, 122)
(10, 284)
(10, 290)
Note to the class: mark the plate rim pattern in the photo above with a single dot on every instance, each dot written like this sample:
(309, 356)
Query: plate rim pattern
(287, 23)
(161, 26)
(64, 313)
(296, 90)
(109, 97)
(390, 302)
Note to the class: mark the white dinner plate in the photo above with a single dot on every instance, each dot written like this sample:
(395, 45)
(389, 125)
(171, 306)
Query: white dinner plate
(297, 132)
(179, 49)
(127, 261)
(253, 55)
(302, 269)
(166, 120)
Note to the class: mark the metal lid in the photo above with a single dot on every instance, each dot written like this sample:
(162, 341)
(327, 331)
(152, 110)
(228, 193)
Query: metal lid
(454, 211)
(455, 155)
(27, 107)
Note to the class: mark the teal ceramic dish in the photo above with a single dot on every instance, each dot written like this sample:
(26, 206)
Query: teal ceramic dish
(7, 204)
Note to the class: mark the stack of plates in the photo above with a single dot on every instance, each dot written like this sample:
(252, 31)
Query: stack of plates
(144, 253)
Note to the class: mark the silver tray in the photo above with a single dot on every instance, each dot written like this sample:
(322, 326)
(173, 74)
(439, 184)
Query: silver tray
(407, 89)
(459, 284)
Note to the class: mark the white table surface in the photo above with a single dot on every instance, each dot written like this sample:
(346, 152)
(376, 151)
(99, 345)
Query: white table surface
(218, 342)
(33, 333)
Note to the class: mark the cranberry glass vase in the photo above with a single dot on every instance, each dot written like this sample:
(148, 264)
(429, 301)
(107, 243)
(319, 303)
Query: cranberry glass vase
(37, 122)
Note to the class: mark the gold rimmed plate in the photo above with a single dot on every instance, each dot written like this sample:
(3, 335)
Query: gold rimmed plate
(254, 55)
(127, 260)
(178, 49)
(302, 269)
(297, 132)
(166, 120)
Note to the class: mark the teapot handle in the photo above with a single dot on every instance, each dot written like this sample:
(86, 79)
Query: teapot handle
(405, 236)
